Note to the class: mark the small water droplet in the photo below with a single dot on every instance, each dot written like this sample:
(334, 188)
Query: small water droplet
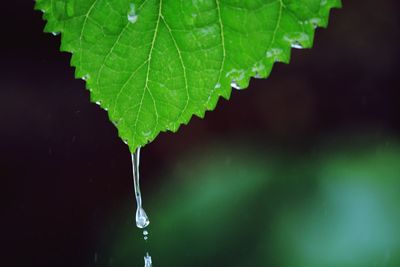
(236, 74)
(235, 85)
(98, 103)
(298, 40)
(217, 86)
(315, 22)
(297, 45)
(147, 133)
(55, 33)
(257, 69)
(147, 261)
(275, 52)
(85, 77)
(145, 232)
(132, 16)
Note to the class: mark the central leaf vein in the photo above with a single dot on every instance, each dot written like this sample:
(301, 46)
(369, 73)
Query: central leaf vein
(146, 85)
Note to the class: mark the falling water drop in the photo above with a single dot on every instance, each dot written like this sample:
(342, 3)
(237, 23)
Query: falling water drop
(147, 261)
(142, 221)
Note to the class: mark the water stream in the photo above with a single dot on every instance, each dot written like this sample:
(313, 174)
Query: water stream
(142, 220)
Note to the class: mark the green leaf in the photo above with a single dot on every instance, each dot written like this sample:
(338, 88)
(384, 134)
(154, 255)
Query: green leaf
(154, 63)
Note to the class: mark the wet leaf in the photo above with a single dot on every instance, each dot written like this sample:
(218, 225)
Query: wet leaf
(153, 64)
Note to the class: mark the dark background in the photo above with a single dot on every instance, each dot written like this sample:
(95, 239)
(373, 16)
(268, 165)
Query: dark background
(66, 176)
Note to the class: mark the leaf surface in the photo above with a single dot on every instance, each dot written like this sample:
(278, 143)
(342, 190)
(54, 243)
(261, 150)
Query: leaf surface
(153, 64)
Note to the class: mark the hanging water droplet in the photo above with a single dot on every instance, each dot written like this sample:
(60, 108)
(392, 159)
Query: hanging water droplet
(142, 220)
(55, 33)
(315, 22)
(147, 261)
(145, 232)
(297, 45)
(257, 69)
(85, 77)
(132, 16)
(235, 85)
(98, 103)
(298, 40)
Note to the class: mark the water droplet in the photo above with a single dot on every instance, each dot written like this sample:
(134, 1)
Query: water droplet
(142, 220)
(132, 16)
(147, 261)
(145, 233)
(298, 40)
(235, 85)
(315, 22)
(297, 45)
(86, 77)
(236, 74)
(55, 33)
(257, 69)
(217, 86)
(274, 52)
(98, 103)
(147, 133)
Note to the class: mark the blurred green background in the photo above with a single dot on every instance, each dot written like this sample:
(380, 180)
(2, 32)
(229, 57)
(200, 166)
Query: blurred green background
(232, 206)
